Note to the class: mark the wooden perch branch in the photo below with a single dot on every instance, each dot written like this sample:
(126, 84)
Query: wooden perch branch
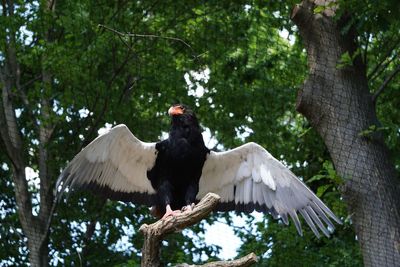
(154, 234)
(245, 261)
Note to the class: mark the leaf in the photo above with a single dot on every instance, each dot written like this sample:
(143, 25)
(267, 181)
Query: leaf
(198, 11)
(322, 189)
(344, 61)
(328, 173)
(319, 9)
(316, 178)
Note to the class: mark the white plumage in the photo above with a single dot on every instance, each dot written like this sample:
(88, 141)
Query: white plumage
(247, 178)
(116, 164)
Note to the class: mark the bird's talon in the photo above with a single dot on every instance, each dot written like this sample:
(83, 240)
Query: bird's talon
(188, 208)
(169, 212)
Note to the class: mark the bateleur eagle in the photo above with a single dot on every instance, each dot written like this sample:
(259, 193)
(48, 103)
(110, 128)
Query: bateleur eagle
(174, 173)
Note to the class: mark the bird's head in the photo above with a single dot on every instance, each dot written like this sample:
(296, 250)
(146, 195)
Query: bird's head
(179, 109)
(182, 115)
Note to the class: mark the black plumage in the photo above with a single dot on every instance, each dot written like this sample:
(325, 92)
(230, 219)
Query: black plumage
(173, 173)
(179, 163)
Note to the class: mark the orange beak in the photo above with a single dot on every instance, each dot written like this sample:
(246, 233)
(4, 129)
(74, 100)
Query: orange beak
(175, 110)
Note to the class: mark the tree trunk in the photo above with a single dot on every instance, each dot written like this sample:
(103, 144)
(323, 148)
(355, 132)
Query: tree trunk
(38, 254)
(336, 101)
(35, 227)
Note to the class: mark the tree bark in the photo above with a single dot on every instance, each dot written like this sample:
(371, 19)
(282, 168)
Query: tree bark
(154, 234)
(32, 226)
(336, 101)
(245, 261)
(35, 227)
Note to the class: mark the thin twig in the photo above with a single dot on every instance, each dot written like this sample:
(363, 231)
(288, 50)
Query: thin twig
(121, 34)
(383, 67)
(387, 54)
(23, 86)
(385, 83)
(366, 49)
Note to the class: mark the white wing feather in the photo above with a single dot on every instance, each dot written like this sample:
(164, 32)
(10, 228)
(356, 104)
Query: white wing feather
(115, 163)
(249, 178)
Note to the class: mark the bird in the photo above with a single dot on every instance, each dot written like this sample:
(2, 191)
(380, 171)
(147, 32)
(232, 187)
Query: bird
(173, 174)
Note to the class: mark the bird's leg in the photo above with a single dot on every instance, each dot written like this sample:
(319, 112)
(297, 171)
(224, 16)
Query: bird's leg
(164, 195)
(190, 196)
(170, 212)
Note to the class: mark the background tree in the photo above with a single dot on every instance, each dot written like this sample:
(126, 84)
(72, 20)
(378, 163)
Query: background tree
(55, 96)
(63, 78)
(337, 101)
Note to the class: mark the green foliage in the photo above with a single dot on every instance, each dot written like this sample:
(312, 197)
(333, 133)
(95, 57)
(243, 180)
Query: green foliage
(254, 74)
(12, 246)
(371, 130)
(328, 173)
(377, 24)
(321, 8)
(345, 60)
(280, 245)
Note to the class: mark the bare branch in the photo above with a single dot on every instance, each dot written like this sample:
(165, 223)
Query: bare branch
(245, 261)
(120, 34)
(383, 66)
(154, 234)
(28, 83)
(145, 35)
(387, 54)
(366, 48)
(385, 83)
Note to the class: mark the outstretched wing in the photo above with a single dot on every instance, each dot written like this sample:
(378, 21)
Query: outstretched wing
(115, 164)
(249, 178)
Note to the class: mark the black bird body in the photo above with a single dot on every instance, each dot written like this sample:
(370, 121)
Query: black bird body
(179, 163)
(173, 173)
